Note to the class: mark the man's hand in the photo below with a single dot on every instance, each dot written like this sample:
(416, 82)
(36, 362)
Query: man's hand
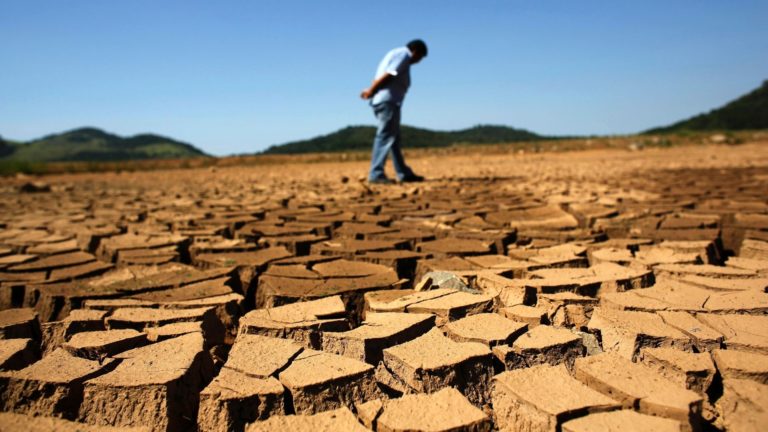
(375, 86)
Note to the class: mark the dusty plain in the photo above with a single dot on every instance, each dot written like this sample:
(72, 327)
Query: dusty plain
(588, 290)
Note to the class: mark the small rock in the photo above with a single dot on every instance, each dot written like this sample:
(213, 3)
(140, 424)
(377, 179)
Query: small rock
(35, 187)
(718, 138)
(590, 342)
(445, 280)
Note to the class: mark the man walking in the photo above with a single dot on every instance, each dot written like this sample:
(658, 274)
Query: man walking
(386, 95)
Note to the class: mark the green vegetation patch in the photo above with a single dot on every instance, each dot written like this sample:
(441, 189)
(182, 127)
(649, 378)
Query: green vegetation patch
(749, 112)
(95, 145)
(355, 138)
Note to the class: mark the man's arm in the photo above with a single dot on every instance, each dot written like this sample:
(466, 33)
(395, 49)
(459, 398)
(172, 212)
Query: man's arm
(375, 86)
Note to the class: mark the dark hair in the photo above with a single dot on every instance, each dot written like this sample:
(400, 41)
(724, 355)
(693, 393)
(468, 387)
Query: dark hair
(418, 46)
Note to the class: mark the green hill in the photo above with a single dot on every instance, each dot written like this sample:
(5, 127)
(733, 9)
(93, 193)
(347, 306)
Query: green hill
(747, 112)
(6, 147)
(361, 138)
(91, 144)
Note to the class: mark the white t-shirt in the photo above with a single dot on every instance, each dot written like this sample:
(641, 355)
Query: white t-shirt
(397, 63)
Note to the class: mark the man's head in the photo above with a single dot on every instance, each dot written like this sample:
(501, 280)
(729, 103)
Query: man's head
(418, 50)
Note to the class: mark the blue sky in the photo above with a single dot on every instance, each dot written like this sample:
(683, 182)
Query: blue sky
(238, 76)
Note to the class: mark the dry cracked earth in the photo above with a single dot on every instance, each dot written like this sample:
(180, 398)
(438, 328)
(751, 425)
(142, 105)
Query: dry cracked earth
(599, 290)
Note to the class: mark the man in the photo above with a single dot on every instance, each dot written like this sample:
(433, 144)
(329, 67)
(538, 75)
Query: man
(386, 95)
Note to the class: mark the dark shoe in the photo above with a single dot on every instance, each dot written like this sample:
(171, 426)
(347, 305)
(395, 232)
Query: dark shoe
(382, 180)
(412, 179)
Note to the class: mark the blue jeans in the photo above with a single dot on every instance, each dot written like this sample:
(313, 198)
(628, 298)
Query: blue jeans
(387, 141)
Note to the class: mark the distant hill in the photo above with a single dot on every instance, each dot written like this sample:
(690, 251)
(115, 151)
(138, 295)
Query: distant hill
(6, 147)
(747, 112)
(361, 138)
(91, 144)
